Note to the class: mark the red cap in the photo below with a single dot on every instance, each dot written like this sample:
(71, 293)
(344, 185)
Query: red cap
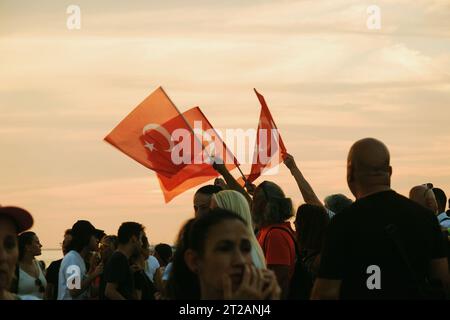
(21, 217)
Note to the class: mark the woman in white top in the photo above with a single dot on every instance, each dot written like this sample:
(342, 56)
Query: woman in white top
(236, 203)
(31, 276)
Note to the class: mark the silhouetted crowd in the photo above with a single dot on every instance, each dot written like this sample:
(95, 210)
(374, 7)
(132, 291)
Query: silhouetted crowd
(248, 242)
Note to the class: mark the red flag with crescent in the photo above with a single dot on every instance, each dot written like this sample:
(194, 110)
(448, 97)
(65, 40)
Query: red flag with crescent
(145, 134)
(178, 147)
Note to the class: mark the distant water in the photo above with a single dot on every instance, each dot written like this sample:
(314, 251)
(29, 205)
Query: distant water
(49, 255)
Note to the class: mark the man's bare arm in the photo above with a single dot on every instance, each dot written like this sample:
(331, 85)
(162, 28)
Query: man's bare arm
(231, 181)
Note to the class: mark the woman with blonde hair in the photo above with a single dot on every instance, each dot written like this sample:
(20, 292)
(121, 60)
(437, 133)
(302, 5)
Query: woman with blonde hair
(235, 202)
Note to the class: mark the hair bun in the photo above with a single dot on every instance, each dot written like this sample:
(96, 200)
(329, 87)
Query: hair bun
(280, 209)
(286, 205)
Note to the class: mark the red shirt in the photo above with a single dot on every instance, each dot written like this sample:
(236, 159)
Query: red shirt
(278, 246)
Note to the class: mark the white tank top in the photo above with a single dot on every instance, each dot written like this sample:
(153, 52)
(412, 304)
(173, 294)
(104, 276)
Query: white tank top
(27, 283)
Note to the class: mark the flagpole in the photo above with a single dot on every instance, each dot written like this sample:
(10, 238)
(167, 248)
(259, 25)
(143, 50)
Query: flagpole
(187, 123)
(192, 130)
(243, 176)
(235, 160)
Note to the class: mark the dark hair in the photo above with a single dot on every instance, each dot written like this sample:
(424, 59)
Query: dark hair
(145, 243)
(311, 223)
(337, 202)
(164, 252)
(274, 207)
(78, 242)
(100, 235)
(139, 254)
(441, 199)
(183, 284)
(111, 238)
(127, 230)
(24, 239)
(199, 231)
(209, 189)
(68, 232)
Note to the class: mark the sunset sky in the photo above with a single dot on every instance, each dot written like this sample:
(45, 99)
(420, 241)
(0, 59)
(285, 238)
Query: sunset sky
(327, 78)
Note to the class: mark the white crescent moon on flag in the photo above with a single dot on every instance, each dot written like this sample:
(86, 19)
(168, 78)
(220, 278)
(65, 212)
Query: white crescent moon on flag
(162, 130)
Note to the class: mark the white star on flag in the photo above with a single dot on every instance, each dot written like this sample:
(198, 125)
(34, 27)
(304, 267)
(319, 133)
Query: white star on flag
(149, 146)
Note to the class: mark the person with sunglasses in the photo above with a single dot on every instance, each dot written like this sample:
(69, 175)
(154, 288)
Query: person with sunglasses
(30, 277)
(423, 194)
(271, 211)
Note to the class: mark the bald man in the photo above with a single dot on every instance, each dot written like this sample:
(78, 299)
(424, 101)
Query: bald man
(360, 259)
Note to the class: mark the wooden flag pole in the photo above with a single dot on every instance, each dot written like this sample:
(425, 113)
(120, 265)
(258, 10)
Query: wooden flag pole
(243, 176)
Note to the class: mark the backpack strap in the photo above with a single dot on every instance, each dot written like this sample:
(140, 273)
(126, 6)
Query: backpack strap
(297, 251)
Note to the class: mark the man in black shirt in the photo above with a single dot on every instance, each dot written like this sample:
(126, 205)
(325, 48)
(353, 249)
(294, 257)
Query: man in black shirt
(118, 274)
(361, 258)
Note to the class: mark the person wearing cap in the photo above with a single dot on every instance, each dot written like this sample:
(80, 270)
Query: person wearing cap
(74, 280)
(13, 220)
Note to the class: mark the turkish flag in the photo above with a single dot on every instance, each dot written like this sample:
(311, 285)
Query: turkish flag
(145, 134)
(209, 146)
(178, 147)
(269, 149)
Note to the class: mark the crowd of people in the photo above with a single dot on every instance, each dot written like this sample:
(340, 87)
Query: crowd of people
(241, 244)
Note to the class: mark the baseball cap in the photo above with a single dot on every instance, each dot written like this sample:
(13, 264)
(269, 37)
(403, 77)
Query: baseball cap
(21, 217)
(85, 228)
